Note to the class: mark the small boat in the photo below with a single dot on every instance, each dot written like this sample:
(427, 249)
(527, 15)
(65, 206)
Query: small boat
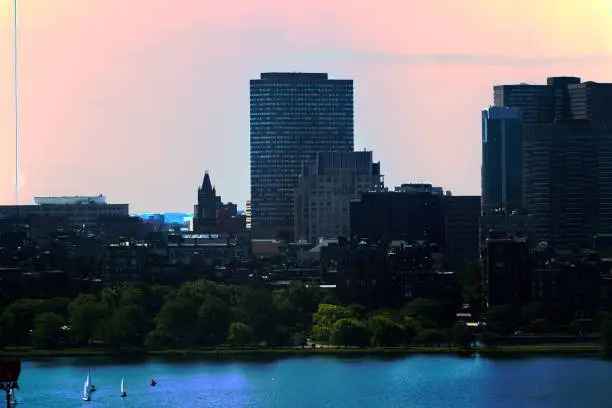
(13, 399)
(123, 393)
(153, 383)
(92, 387)
(86, 390)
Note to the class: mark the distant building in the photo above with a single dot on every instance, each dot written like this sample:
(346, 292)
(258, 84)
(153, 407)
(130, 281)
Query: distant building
(325, 190)
(294, 116)
(77, 210)
(398, 216)
(205, 211)
(502, 171)
(536, 102)
(248, 214)
(419, 188)
(461, 215)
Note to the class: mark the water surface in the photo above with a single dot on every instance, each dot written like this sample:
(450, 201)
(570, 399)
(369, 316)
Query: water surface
(318, 382)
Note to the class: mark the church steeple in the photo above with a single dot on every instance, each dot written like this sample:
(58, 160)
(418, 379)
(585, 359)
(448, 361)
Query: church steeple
(207, 185)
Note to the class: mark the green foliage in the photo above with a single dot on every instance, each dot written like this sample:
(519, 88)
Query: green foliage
(325, 318)
(429, 337)
(487, 338)
(462, 336)
(385, 332)
(240, 334)
(430, 313)
(349, 332)
(606, 336)
(500, 319)
(126, 327)
(46, 330)
(411, 328)
(85, 314)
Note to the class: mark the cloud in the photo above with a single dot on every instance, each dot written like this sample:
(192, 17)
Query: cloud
(374, 57)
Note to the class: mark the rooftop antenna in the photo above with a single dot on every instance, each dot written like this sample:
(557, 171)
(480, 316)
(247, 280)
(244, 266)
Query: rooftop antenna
(16, 100)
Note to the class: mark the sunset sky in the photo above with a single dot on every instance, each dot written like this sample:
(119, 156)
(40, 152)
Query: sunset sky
(135, 99)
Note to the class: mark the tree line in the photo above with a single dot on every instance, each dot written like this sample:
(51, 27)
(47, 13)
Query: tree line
(207, 314)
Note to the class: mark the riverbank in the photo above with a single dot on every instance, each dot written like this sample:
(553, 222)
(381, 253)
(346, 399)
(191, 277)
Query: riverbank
(500, 351)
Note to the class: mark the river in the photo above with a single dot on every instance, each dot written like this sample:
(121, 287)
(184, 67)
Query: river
(319, 382)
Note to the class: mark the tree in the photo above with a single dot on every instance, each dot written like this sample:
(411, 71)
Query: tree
(324, 319)
(85, 314)
(429, 337)
(46, 330)
(17, 318)
(255, 308)
(126, 327)
(349, 332)
(487, 338)
(462, 337)
(411, 328)
(426, 310)
(500, 319)
(385, 332)
(213, 321)
(534, 310)
(177, 321)
(240, 334)
(606, 336)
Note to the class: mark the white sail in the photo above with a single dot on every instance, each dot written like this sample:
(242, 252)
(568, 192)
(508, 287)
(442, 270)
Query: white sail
(86, 389)
(122, 388)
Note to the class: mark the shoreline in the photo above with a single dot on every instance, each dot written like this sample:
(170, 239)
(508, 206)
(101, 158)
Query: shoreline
(498, 351)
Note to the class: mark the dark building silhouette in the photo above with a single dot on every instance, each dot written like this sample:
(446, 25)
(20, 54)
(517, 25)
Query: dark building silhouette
(205, 211)
(568, 181)
(506, 269)
(502, 173)
(461, 216)
(536, 102)
(398, 216)
(294, 116)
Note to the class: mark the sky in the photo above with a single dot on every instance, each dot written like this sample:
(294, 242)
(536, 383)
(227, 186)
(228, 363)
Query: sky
(135, 99)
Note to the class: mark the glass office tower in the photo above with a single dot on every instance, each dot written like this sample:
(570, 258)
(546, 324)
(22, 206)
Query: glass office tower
(294, 116)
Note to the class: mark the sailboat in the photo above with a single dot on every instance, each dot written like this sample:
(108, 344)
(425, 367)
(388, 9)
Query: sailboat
(86, 390)
(92, 387)
(123, 393)
(12, 396)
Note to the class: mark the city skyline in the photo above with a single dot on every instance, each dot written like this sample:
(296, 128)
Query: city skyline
(165, 89)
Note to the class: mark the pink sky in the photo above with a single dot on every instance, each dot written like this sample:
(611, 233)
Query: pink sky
(135, 99)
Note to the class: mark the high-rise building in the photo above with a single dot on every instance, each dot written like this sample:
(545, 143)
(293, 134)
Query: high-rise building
(502, 175)
(590, 100)
(568, 181)
(536, 102)
(247, 214)
(325, 190)
(294, 116)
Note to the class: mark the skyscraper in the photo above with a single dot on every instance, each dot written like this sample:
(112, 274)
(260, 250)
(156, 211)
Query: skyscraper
(502, 174)
(294, 116)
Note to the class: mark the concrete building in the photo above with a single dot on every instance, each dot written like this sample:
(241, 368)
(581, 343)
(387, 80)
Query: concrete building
(461, 216)
(293, 117)
(77, 210)
(325, 190)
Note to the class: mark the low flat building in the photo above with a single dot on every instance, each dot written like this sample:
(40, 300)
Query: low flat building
(77, 210)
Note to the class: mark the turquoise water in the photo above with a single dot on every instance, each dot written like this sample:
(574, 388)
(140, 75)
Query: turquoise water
(318, 382)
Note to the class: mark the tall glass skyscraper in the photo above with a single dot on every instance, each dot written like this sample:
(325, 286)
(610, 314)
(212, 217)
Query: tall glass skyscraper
(294, 116)
(502, 161)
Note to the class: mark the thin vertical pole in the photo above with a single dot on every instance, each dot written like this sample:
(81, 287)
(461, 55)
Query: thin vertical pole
(16, 98)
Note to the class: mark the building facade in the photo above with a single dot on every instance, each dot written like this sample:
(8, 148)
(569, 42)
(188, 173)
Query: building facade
(568, 181)
(294, 116)
(502, 172)
(408, 217)
(78, 210)
(325, 190)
